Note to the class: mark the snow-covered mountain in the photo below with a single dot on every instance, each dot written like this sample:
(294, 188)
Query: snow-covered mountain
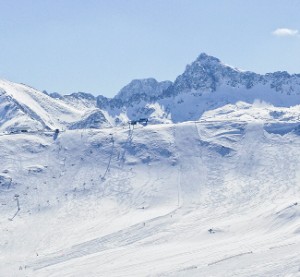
(27, 108)
(146, 89)
(23, 108)
(94, 119)
(215, 197)
(206, 84)
(209, 74)
(215, 192)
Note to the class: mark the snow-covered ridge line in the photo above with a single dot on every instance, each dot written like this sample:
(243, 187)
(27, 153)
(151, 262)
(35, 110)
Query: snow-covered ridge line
(204, 66)
(205, 85)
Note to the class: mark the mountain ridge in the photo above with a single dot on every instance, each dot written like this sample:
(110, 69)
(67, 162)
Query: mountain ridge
(205, 84)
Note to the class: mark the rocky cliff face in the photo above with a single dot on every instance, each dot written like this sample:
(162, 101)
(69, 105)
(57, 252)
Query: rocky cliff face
(208, 74)
(205, 84)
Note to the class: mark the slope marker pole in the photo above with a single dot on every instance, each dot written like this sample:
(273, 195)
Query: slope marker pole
(18, 207)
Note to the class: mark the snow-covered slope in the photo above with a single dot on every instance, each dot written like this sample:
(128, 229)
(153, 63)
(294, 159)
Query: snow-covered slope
(216, 197)
(27, 105)
(215, 192)
(94, 119)
(25, 108)
(80, 100)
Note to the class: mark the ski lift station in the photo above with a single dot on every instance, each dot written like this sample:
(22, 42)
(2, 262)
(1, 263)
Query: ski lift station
(142, 121)
(19, 129)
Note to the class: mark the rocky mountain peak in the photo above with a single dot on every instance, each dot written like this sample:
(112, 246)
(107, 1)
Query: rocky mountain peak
(142, 89)
(207, 59)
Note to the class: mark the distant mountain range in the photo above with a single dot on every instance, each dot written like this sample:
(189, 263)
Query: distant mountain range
(206, 84)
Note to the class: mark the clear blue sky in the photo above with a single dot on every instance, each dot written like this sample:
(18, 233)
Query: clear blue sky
(98, 46)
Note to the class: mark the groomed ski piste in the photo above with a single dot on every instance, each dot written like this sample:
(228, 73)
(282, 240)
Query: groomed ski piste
(214, 197)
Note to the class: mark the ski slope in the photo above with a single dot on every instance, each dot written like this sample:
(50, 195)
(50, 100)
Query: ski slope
(215, 197)
(21, 105)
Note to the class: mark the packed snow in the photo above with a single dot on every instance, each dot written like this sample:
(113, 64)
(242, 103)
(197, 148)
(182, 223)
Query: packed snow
(215, 197)
(209, 187)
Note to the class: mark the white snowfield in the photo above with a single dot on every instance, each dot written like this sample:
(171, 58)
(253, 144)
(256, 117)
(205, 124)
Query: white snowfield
(28, 107)
(214, 197)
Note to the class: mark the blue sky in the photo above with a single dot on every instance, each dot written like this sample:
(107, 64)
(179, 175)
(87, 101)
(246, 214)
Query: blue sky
(99, 46)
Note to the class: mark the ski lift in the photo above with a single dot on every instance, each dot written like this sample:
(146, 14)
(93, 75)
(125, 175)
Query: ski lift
(132, 122)
(56, 132)
(16, 130)
(143, 121)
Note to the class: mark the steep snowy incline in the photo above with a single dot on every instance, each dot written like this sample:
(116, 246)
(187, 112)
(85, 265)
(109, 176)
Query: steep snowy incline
(32, 108)
(215, 197)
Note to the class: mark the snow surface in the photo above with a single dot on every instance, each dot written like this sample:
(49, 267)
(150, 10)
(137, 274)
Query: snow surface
(21, 105)
(120, 202)
(210, 187)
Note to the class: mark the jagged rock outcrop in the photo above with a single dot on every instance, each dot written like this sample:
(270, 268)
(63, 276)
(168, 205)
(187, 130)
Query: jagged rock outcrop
(207, 83)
